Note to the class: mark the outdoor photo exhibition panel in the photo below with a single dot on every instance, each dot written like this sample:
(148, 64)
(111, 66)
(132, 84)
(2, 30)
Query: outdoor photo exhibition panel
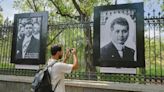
(119, 36)
(29, 38)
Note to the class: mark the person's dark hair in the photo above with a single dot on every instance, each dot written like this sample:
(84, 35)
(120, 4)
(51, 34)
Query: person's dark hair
(21, 25)
(55, 49)
(120, 21)
(28, 23)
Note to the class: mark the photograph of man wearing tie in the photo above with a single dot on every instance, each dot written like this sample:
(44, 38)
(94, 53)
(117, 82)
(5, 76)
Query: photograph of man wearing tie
(28, 45)
(116, 50)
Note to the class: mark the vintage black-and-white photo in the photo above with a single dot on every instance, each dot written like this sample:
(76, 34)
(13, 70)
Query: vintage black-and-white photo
(29, 38)
(119, 36)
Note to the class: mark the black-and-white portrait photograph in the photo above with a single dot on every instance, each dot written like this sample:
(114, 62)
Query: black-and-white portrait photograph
(29, 38)
(119, 35)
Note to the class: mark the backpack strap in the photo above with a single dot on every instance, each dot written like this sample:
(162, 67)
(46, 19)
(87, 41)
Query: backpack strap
(56, 85)
(50, 65)
(47, 66)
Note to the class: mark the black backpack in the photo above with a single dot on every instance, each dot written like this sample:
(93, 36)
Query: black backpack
(42, 80)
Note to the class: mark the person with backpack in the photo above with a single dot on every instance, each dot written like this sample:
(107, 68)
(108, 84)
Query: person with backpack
(58, 70)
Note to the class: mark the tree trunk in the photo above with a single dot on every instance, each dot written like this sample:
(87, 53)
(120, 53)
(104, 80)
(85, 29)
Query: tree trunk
(89, 68)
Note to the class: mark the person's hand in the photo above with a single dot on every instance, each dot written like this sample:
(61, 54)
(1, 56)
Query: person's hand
(73, 51)
(67, 54)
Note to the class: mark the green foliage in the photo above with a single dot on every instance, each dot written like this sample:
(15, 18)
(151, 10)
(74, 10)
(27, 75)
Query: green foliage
(162, 7)
(6, 65)
(1, 19)
(30, 5)
(154, 52)
(69, 38)
(65, 8)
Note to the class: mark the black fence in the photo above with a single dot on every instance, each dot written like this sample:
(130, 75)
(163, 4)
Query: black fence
(74, 35)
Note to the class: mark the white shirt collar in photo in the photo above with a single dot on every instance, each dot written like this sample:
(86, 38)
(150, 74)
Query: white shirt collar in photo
(119, 47)
(26, 42)
(26, 39)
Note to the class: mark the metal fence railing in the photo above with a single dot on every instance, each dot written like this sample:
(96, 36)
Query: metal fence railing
(73, 35)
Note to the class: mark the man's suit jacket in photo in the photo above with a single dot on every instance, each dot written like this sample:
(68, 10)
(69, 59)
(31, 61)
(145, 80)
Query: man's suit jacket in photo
(109, 52)
(32, 48)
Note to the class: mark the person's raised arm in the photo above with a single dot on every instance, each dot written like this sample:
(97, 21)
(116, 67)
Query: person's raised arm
(75, 59)
(66, 55)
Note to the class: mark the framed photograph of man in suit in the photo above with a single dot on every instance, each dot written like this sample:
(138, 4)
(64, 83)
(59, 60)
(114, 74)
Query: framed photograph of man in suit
(29, 38)
(119, 36)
